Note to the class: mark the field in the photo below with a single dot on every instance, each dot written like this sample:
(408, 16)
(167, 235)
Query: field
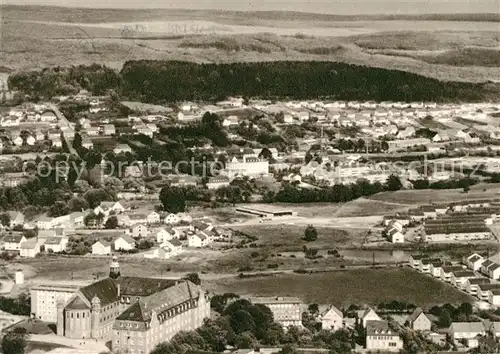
(419, 197)
(342, 288)
(448, 50)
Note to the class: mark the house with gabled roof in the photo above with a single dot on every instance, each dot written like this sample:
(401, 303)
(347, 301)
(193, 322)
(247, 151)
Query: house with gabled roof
(124, 243)
(55, 244)
(472, 284)
(16, 218)
(13, 241)
(419, 321)
(30, 248)
(368, 315)
(198, 239)
(163, 234)
(332, 319)
(447, 271)
(474, 261)
(174, 245)
(459, 278)
(101, 248)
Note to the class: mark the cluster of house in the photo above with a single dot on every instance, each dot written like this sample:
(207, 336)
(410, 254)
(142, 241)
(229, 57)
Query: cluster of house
(477, 275)
(51, 241)
(457, 221)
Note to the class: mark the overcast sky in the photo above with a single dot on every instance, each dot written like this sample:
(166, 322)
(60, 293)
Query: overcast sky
(321, 6)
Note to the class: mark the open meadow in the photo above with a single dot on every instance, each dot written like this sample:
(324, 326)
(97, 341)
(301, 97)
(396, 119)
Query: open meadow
(420, 197)
(35, 37)
(342, 288)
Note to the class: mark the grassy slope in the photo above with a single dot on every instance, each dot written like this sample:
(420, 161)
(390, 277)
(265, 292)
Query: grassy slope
(59, 45)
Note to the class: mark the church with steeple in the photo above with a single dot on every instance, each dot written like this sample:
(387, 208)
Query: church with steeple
(118, 307)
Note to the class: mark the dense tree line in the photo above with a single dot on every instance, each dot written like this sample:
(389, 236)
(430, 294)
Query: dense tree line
(170, 81)
(20, 306)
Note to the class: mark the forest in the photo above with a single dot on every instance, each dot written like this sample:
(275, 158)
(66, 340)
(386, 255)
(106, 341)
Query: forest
(173, 81)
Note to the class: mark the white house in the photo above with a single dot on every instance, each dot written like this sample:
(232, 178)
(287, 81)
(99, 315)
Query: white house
(30, 248)
(165, 234)
(395, 236)
(124, 243)
(198, 239)
(55, 244)
(106, 208)
(418, 321)
(44, 222)
(174, 245)
(380, 337)
(474, 262)
(153, 218)
(13, 242)
(459, 278)
(172, 219)
(368, 315)
(468, 331)
(332, 319)
(140, 230)
(101, 248)
(16, 218)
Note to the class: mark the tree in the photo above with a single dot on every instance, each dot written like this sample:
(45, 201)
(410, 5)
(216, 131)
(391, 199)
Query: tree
(310, 233)
(5, 219)
(313, 308)
(14, 343)
(194, 278)
(111, 223)
(173, 199)
(444, 318)
(393, 183)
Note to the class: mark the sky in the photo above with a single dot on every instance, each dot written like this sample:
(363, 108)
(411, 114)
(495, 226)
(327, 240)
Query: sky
(341, 7)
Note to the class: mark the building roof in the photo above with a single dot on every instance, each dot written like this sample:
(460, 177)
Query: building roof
(416, 313)
(136, 286)
(127, 239)
(175, 242)
(105, 290)
(334, 309)
(379, 328)
(477, 281)
(53, 241)
(180, 292)
(13, 238)
(469, 327)
(77, 304)
(29, 244)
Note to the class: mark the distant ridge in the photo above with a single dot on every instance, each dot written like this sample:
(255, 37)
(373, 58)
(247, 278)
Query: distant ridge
(157, 14)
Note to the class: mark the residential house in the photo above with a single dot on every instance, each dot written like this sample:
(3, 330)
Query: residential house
(138, 218)
(418, 320)
(124, 243)
(158, 253)
(139, 230)
(368, 315)
(380, 337)
(459, 278)
(109, 129)
(106, 208)
(286, 310)
(395, 236)
(332, 319)
(494, 297)
(55, 244)
(30, 248)
(44, 222)
(491, 269)
(16, 219)
(101, 248)
(153, 218)
(165, 234)
(198, 239)
(12, 242)
(172, 219)
(472, 285)
(174, 245)
(474, 262)
(468, 331)
(435, 267)
(416, 259)
(447, 271)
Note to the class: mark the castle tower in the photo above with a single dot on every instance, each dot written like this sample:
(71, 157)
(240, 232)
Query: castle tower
(95, 317)
(114, 268)
(60, 318)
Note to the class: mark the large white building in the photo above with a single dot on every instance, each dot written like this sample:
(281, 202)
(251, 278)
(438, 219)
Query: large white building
(286, 310)
(44, 300)
(247, 166)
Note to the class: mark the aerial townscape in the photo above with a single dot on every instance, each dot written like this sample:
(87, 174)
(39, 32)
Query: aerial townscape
(203, 181)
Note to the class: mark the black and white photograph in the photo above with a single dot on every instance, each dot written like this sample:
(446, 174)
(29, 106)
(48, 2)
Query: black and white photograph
(249, 177)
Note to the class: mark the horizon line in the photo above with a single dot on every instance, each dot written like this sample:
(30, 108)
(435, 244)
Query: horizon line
(322, 14)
